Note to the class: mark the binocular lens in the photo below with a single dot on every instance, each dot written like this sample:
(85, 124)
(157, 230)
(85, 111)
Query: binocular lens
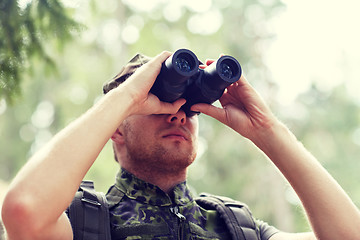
(183, 63)
(226, 70)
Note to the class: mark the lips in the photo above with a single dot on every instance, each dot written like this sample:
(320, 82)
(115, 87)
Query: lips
(176, 134)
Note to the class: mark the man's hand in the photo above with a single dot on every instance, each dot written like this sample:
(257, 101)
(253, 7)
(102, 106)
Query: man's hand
(245, 112)
(33, 207)
(139, 85)
(242, 109)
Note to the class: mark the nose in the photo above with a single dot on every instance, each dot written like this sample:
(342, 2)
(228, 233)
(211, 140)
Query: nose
(177, 118)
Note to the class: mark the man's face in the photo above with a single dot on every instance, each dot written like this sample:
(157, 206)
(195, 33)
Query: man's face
(166, 142)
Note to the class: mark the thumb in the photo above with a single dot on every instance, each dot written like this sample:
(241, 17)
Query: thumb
(210, 110)
(171, 108)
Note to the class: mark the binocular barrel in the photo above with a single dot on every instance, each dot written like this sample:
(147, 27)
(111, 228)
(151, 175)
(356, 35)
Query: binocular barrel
(181, 77)
(174, 75)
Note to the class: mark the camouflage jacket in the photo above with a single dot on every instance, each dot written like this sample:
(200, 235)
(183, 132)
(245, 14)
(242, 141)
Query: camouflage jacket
(140, 210)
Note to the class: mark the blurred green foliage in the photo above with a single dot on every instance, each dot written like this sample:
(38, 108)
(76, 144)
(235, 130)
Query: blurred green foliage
(227, 164)
(24, 31)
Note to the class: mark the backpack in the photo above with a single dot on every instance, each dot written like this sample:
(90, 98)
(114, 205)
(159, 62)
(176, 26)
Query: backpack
(236, 215)
(89, 215)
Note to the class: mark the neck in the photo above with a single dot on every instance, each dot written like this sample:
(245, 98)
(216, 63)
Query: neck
(165, 180)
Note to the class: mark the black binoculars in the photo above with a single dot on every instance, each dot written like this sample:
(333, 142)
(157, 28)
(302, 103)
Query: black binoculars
(181, 77)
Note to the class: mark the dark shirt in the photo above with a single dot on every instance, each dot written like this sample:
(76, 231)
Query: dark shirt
(140, 210)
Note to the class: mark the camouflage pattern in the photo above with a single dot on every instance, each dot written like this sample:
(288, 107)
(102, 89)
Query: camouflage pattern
(140, 210)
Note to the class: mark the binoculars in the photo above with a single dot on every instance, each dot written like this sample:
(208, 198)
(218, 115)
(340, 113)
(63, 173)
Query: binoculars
(181, 77)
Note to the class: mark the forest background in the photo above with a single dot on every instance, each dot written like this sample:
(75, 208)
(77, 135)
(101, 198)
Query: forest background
(302, 57)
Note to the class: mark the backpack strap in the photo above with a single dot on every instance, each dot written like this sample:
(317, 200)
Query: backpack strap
(235, 214)
(89, 214)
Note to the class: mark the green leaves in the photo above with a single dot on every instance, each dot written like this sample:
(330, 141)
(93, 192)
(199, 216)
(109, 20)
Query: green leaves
(25, 31)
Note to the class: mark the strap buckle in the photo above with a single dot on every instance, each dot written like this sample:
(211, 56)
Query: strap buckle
(92, 202)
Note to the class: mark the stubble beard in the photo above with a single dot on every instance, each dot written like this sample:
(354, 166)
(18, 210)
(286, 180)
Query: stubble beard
(160, 159)
(165, 158)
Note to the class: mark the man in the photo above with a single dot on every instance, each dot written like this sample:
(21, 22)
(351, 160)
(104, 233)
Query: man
(155, 142)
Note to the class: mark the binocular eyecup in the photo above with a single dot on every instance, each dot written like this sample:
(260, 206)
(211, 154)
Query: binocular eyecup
(181, 77)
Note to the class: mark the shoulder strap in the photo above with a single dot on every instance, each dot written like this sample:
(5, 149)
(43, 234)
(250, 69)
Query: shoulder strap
(89, 214)
(235, 214)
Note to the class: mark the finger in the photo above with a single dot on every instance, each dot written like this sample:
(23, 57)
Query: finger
(171, 108)
(209, 61)
(149, 71)
(202, 66)
(210, 110)
(162, 56)
(155, 62)
(242, 81)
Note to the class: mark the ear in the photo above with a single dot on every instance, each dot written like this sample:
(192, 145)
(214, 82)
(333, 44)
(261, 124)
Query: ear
(118, 137)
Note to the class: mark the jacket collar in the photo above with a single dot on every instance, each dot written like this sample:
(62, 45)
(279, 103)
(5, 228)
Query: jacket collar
(137, 189)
